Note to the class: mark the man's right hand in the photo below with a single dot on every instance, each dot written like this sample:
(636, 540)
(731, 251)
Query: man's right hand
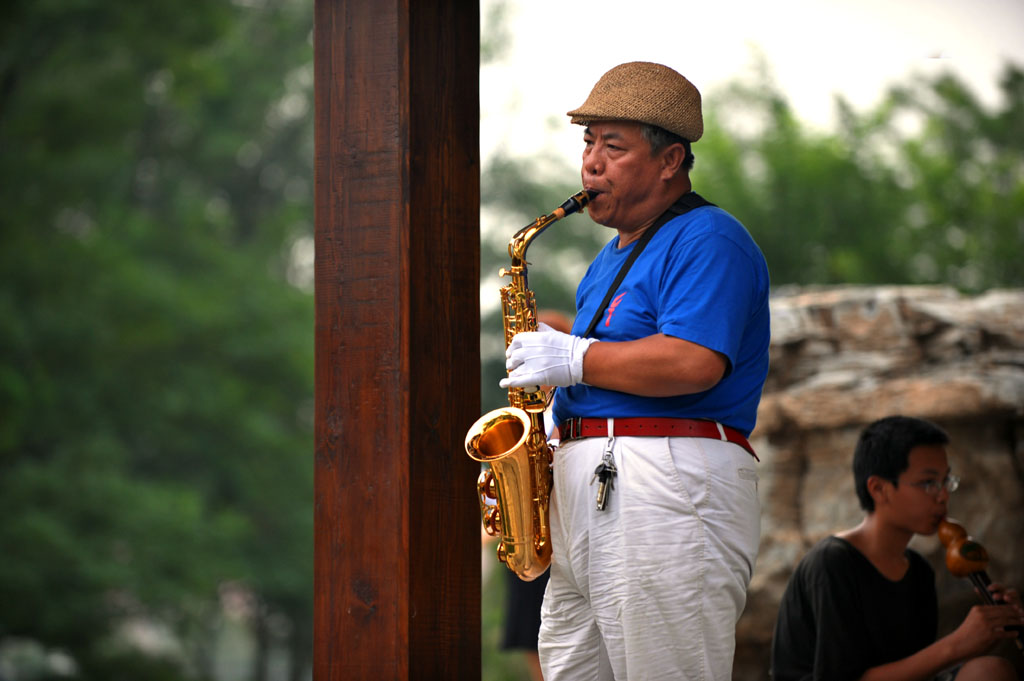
(545, 357)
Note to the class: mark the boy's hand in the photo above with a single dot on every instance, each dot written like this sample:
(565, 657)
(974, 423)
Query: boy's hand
(1007, 596)
(984, 626)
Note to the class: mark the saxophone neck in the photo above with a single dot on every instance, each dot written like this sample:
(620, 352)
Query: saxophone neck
(522, 239)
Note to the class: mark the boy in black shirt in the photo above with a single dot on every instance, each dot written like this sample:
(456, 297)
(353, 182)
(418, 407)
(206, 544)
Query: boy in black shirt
(861, 605)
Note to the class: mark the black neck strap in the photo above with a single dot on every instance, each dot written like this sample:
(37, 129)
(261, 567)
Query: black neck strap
(684, 204)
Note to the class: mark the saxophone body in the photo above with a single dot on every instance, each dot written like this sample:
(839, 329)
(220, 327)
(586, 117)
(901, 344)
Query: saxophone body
(515, 488)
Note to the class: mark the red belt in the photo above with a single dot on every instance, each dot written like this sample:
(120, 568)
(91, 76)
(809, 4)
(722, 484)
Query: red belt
(574, 429)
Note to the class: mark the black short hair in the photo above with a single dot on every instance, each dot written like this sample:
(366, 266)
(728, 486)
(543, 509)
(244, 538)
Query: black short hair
(884, 449)
(659, 138)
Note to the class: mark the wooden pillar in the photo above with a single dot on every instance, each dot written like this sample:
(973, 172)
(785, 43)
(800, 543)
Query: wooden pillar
(397, 549)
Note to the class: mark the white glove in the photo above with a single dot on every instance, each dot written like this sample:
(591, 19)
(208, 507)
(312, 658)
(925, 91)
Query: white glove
(545, 357)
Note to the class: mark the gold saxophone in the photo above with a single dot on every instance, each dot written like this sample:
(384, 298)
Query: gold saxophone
(512, 440)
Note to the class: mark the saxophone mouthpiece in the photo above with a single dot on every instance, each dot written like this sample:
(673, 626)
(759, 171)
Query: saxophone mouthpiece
(577, 202)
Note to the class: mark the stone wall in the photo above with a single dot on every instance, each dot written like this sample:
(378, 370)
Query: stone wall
(843, 357)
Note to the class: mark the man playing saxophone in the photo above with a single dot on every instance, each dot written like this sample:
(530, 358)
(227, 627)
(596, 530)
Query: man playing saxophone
(654, 513)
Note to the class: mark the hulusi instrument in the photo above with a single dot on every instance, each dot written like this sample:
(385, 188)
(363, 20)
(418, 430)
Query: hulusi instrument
(515, 488)
(967, 558)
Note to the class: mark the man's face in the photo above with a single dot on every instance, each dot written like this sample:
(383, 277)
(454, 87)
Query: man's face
(617, 163)
(912, 507)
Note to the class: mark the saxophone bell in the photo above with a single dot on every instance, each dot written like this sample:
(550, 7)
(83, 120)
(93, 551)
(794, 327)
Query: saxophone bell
(514, 490)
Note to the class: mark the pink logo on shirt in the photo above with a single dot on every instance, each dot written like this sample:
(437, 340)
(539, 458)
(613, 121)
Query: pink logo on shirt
(612, 305)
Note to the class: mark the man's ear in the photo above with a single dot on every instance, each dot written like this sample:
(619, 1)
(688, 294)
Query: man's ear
(878, 488)
(672, 158)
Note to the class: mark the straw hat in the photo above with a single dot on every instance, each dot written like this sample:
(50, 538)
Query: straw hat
(646, 93)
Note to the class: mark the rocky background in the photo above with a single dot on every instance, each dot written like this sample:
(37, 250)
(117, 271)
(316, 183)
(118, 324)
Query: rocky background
(843, 357)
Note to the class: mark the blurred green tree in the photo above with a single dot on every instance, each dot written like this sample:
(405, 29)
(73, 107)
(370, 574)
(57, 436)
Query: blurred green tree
(925, 188)
(156, 335)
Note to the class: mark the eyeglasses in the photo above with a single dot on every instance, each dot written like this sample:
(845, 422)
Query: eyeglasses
(932, 487)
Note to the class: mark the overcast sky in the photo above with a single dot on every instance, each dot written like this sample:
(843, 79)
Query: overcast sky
(814, 49)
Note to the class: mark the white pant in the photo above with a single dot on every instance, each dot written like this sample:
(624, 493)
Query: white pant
(652, 586)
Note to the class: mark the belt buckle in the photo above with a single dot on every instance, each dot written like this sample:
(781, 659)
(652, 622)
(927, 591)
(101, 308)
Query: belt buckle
(575, 428)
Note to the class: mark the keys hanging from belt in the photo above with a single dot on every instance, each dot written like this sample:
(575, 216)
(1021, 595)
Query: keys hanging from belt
(605, 475)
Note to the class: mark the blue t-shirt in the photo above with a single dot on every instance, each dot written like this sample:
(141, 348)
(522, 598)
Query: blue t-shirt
(701, 278)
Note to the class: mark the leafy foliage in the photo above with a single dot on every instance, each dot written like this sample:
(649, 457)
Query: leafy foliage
(925, 189)
(155, 361)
